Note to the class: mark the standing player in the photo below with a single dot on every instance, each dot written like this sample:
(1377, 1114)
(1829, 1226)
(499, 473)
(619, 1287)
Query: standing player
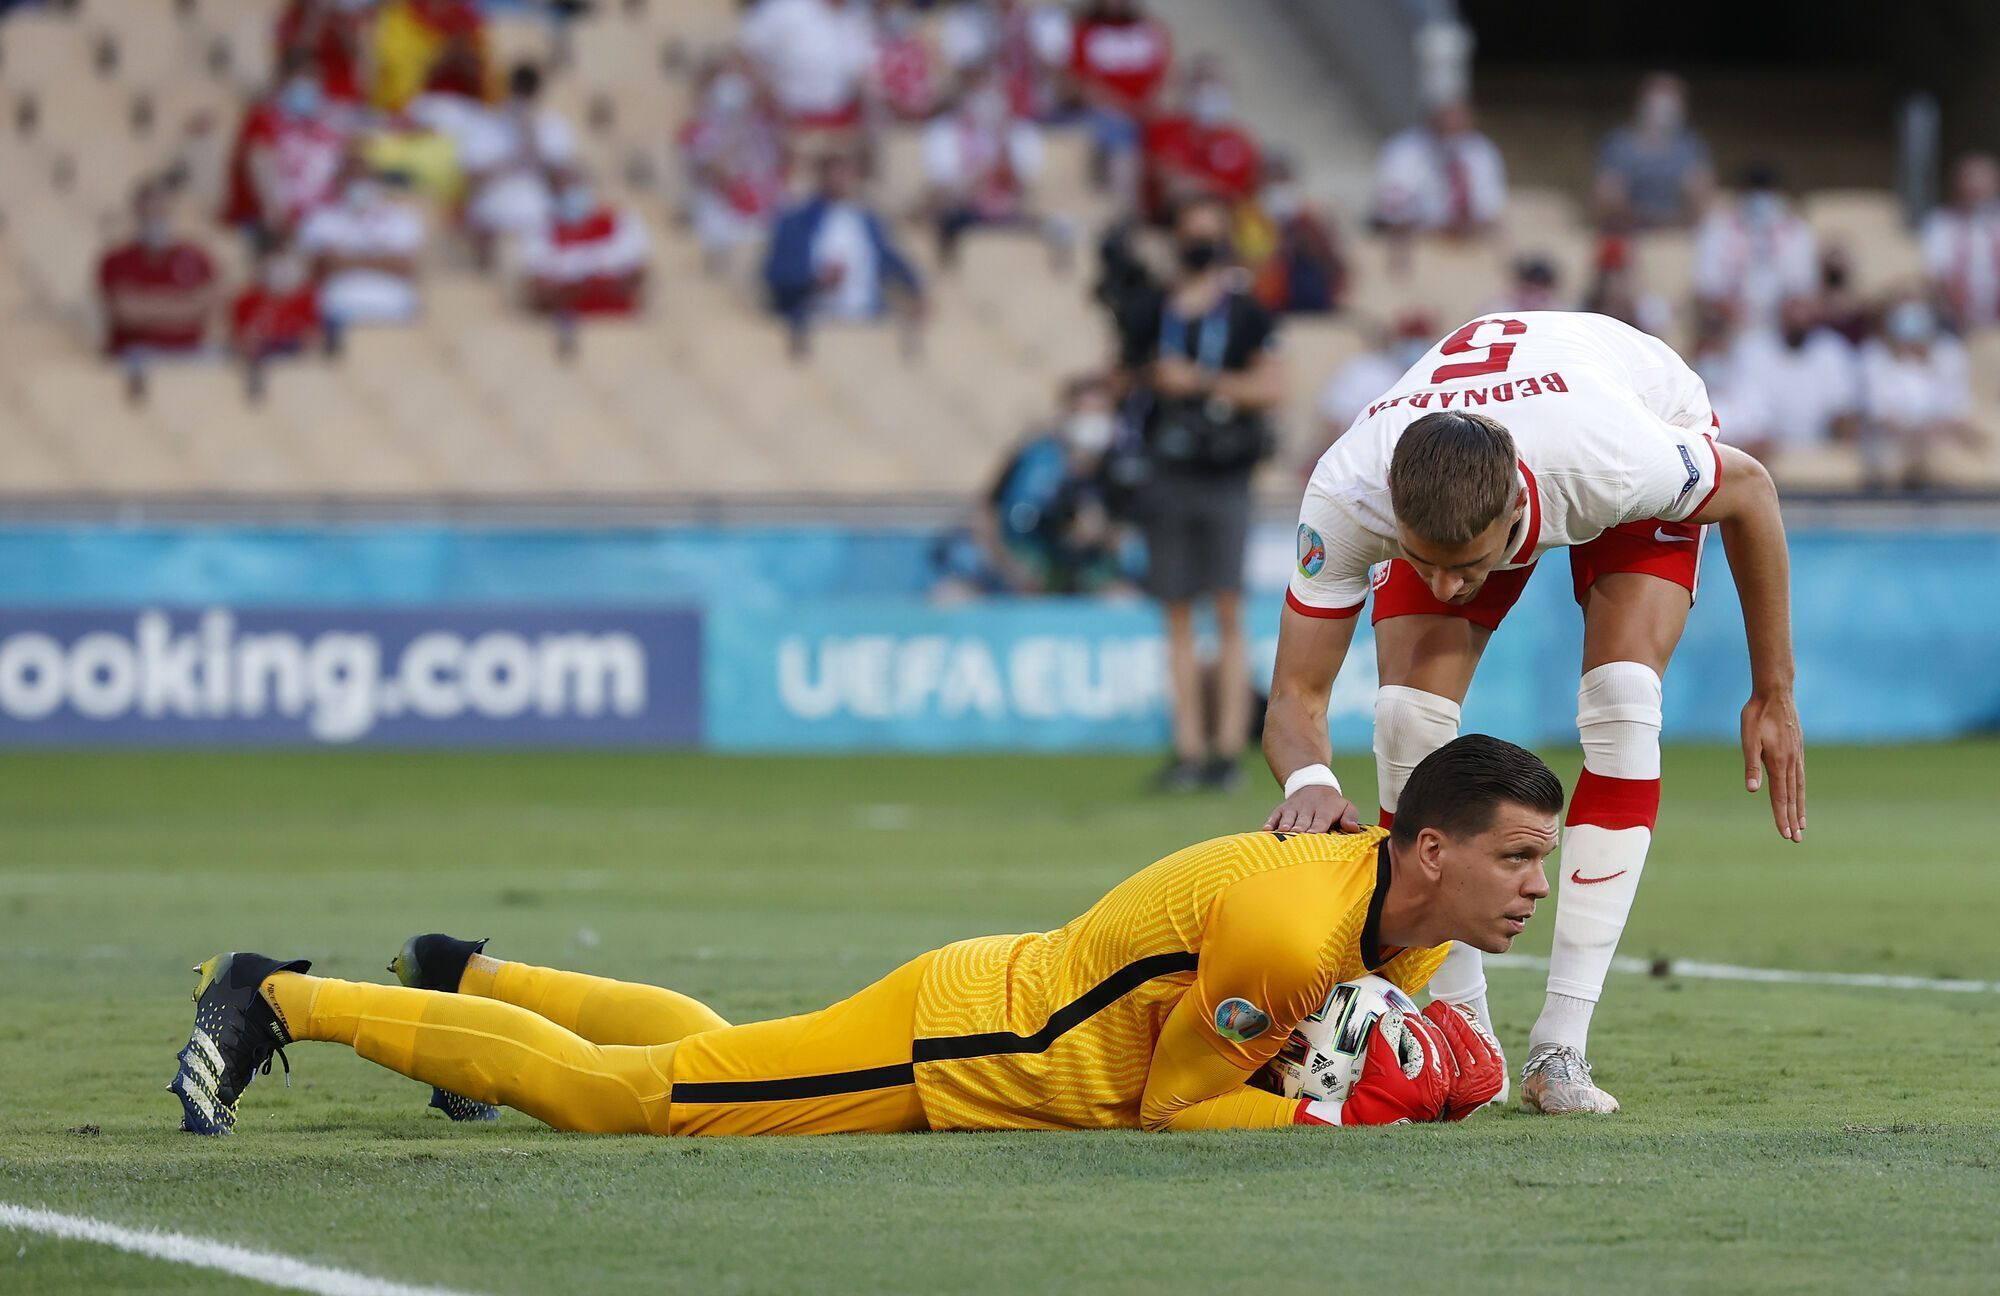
(1513, 436)
(1153, 1009)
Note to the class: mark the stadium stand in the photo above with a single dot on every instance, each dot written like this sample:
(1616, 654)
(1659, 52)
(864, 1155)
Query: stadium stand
(696, 396)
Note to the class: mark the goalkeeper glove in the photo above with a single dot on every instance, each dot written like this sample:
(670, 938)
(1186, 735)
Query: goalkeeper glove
(1405, 1076)
(1474, 1063)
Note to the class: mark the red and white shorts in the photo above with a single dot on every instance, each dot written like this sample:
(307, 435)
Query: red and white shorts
(1669, 550)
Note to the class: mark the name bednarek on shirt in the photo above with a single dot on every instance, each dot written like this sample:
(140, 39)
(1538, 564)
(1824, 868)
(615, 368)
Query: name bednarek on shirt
(336, 677)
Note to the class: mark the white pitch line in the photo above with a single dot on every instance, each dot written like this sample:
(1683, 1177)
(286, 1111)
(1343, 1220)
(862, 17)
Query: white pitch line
(204, 1253)
(1788, 976)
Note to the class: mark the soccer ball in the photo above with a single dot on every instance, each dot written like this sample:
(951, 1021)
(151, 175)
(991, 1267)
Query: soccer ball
(1323, 1056)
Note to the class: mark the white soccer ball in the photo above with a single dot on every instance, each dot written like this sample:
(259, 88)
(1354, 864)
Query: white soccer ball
(1323, 1055)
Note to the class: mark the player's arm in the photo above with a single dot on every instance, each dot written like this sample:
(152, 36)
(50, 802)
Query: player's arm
(1310, 652)
(1744, 505)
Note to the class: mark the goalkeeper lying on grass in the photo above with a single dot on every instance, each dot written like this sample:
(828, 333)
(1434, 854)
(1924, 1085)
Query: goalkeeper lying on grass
(1153, 1010)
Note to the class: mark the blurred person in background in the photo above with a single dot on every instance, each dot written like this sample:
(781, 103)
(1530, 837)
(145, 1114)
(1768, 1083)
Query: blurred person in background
(1962, 246)
(589, 259)
(1753, 251)
(1119, 59)
(1441, 177)
(1199, 149)
(1654, 172)
(330, 37)
(1793, 386)
(505, 152)
(364, 248)
(421, 45)
(1615, 290)
(815, 58)
(1047, 524)
(1916, 395)
(1837, 305)
(1534, 284)
(156, 292)
(1199, 357)
(277, 313)
(1030, 40)
(1368, 377)
(981, 164)
(906, 68)
(286, 158)
(831, 257)
(733, 155)
(1289, 246)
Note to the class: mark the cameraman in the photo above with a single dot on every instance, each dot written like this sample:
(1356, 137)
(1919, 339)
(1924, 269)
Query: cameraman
(1200, 361)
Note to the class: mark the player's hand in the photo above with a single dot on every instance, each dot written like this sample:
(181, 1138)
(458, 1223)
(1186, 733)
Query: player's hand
(1314, 809)
(1478, 1069)
(1405, 1076)
(1774, 748)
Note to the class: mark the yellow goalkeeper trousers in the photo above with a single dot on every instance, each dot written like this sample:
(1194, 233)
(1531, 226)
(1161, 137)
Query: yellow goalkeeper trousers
(590, 1054)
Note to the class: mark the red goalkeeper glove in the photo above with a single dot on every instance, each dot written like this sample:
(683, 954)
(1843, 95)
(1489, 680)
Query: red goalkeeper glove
(1405, 1076)
(1475, 1065)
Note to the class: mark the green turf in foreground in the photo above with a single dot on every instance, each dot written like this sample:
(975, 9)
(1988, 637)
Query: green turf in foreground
(1785, 1139)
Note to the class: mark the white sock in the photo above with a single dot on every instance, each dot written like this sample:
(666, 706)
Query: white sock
(1461, 979)
(1610, 828)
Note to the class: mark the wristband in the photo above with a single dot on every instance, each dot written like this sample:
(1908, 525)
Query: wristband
(1310, 776)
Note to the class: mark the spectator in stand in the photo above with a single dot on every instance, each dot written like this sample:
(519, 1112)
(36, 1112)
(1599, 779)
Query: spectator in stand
(1916, 393)
(1654, 173)
(1615, 291)
(814, 57)
(1796, 386)
(1535, 285)
(277, 314)
(1289, 246)
(590, 259)
(1838, 306)
(1119, 59)
(1752, 253)
(1033, 43)
(1201, 362)
(286, 158)
(905, 67)
(412, 38)
(1442, 177)
(157, 292)
(734, 157)
(1047, 526)
(364, 248)
(1962, 246)
(831, 257)
(1370, 376)
(981, 164)
(329, 35)
(505, 153)
(1199, 150)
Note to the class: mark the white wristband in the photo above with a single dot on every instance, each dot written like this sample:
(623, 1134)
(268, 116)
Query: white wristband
(1310, 776)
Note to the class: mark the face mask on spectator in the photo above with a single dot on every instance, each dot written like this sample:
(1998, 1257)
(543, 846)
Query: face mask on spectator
(300, 97)
(1210, 105)
(1200, 254)
(1661, 112)
(575, 202)
(1762, 207)
(1910, 324)
(729, 93)
(155, 233)
(1088, 432)
(1282, 201)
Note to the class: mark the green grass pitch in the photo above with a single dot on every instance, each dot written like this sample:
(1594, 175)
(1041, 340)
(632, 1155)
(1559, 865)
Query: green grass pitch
(1776, 1138)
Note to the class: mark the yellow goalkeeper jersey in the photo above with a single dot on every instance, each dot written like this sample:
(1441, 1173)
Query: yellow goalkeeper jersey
(1056, 1030)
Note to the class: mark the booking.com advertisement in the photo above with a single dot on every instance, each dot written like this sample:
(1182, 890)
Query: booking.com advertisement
(306, 676)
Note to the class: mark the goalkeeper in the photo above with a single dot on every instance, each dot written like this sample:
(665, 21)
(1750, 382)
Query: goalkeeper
(1154, 1009)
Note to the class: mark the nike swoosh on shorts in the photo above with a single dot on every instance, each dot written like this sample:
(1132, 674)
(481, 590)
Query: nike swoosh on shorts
(1660, 533)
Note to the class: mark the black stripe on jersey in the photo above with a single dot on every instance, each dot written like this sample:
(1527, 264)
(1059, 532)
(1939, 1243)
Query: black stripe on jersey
(814, 1086)
(1067, 1018)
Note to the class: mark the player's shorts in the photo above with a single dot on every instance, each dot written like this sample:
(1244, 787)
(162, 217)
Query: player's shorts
(1668, 550)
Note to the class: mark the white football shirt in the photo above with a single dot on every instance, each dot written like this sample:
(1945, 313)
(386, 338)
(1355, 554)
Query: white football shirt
(1611, 427)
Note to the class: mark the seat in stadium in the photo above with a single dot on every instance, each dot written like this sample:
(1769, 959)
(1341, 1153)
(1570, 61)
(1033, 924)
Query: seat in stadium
(343, 441)
(1820, 468)
(233, 446)
(1314, 350)
(81, 406)
(31, 462)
